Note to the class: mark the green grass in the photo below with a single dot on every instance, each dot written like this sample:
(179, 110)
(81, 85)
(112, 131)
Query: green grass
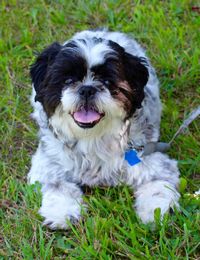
(110, 229)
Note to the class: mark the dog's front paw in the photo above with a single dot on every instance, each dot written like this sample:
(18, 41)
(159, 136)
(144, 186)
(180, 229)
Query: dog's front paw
(58, 210)
(57, 218)
(158, 194)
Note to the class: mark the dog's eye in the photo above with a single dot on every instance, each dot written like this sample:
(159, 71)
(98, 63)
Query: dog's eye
(115, 91)
(69, 81)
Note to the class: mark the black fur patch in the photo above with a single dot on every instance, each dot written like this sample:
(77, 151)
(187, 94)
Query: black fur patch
(39, 69)
(126, 76)
(51, 70)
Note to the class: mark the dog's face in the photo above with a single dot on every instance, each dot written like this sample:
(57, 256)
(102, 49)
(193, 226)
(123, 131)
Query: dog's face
(86, 85)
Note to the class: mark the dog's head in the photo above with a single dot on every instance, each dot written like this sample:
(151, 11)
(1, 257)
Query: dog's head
(86, 85)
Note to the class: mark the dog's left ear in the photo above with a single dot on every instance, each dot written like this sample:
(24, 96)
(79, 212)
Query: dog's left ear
(39, 69)
(137, 75)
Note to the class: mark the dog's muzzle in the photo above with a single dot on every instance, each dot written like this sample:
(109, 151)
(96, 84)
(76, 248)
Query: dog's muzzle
(87, 115)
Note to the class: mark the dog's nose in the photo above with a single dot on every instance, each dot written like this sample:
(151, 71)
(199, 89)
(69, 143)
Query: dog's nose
(87, 91)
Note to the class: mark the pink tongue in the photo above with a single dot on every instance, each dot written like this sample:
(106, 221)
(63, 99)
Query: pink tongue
(88, 116)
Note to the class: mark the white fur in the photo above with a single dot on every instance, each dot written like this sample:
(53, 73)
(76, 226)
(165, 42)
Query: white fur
(60, 204)
(70, 155)
(152, 195)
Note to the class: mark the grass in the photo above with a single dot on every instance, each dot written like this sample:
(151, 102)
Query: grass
(110, 229)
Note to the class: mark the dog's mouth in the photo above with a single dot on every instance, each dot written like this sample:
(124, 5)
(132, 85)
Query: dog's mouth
(87, 117)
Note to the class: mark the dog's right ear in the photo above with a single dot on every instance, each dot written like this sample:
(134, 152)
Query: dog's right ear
(38, 69)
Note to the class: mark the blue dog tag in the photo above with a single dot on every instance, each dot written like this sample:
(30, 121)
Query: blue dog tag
(131, 157)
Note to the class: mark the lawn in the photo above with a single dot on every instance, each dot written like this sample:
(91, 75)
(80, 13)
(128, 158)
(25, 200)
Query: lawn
(169, 30)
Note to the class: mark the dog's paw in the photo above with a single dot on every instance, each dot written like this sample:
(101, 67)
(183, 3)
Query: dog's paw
(56, 221)
(58, 211)
(154, 195)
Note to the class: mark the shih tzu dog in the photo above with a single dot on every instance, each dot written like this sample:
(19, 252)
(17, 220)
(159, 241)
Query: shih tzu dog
(96, 101)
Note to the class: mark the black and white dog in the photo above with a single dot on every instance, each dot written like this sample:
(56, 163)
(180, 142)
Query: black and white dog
(96, 101)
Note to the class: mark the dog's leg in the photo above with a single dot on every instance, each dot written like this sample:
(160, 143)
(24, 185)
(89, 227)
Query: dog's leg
(155, 181)
(60, 203)
(61, 198)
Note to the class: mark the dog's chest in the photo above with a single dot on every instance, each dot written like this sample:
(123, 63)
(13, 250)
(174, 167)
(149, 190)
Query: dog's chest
(97, 163)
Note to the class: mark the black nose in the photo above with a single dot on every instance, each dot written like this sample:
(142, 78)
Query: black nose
(87, 91)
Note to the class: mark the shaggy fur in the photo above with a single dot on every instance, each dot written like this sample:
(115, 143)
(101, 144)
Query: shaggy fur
(95, 97)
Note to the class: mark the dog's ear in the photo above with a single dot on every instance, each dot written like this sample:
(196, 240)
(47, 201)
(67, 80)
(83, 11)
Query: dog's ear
(137, 75)
(39, 69)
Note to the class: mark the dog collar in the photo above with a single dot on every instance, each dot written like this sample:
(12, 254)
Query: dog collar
(131, 157)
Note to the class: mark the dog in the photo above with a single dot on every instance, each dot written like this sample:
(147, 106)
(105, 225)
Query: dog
(96, 101)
